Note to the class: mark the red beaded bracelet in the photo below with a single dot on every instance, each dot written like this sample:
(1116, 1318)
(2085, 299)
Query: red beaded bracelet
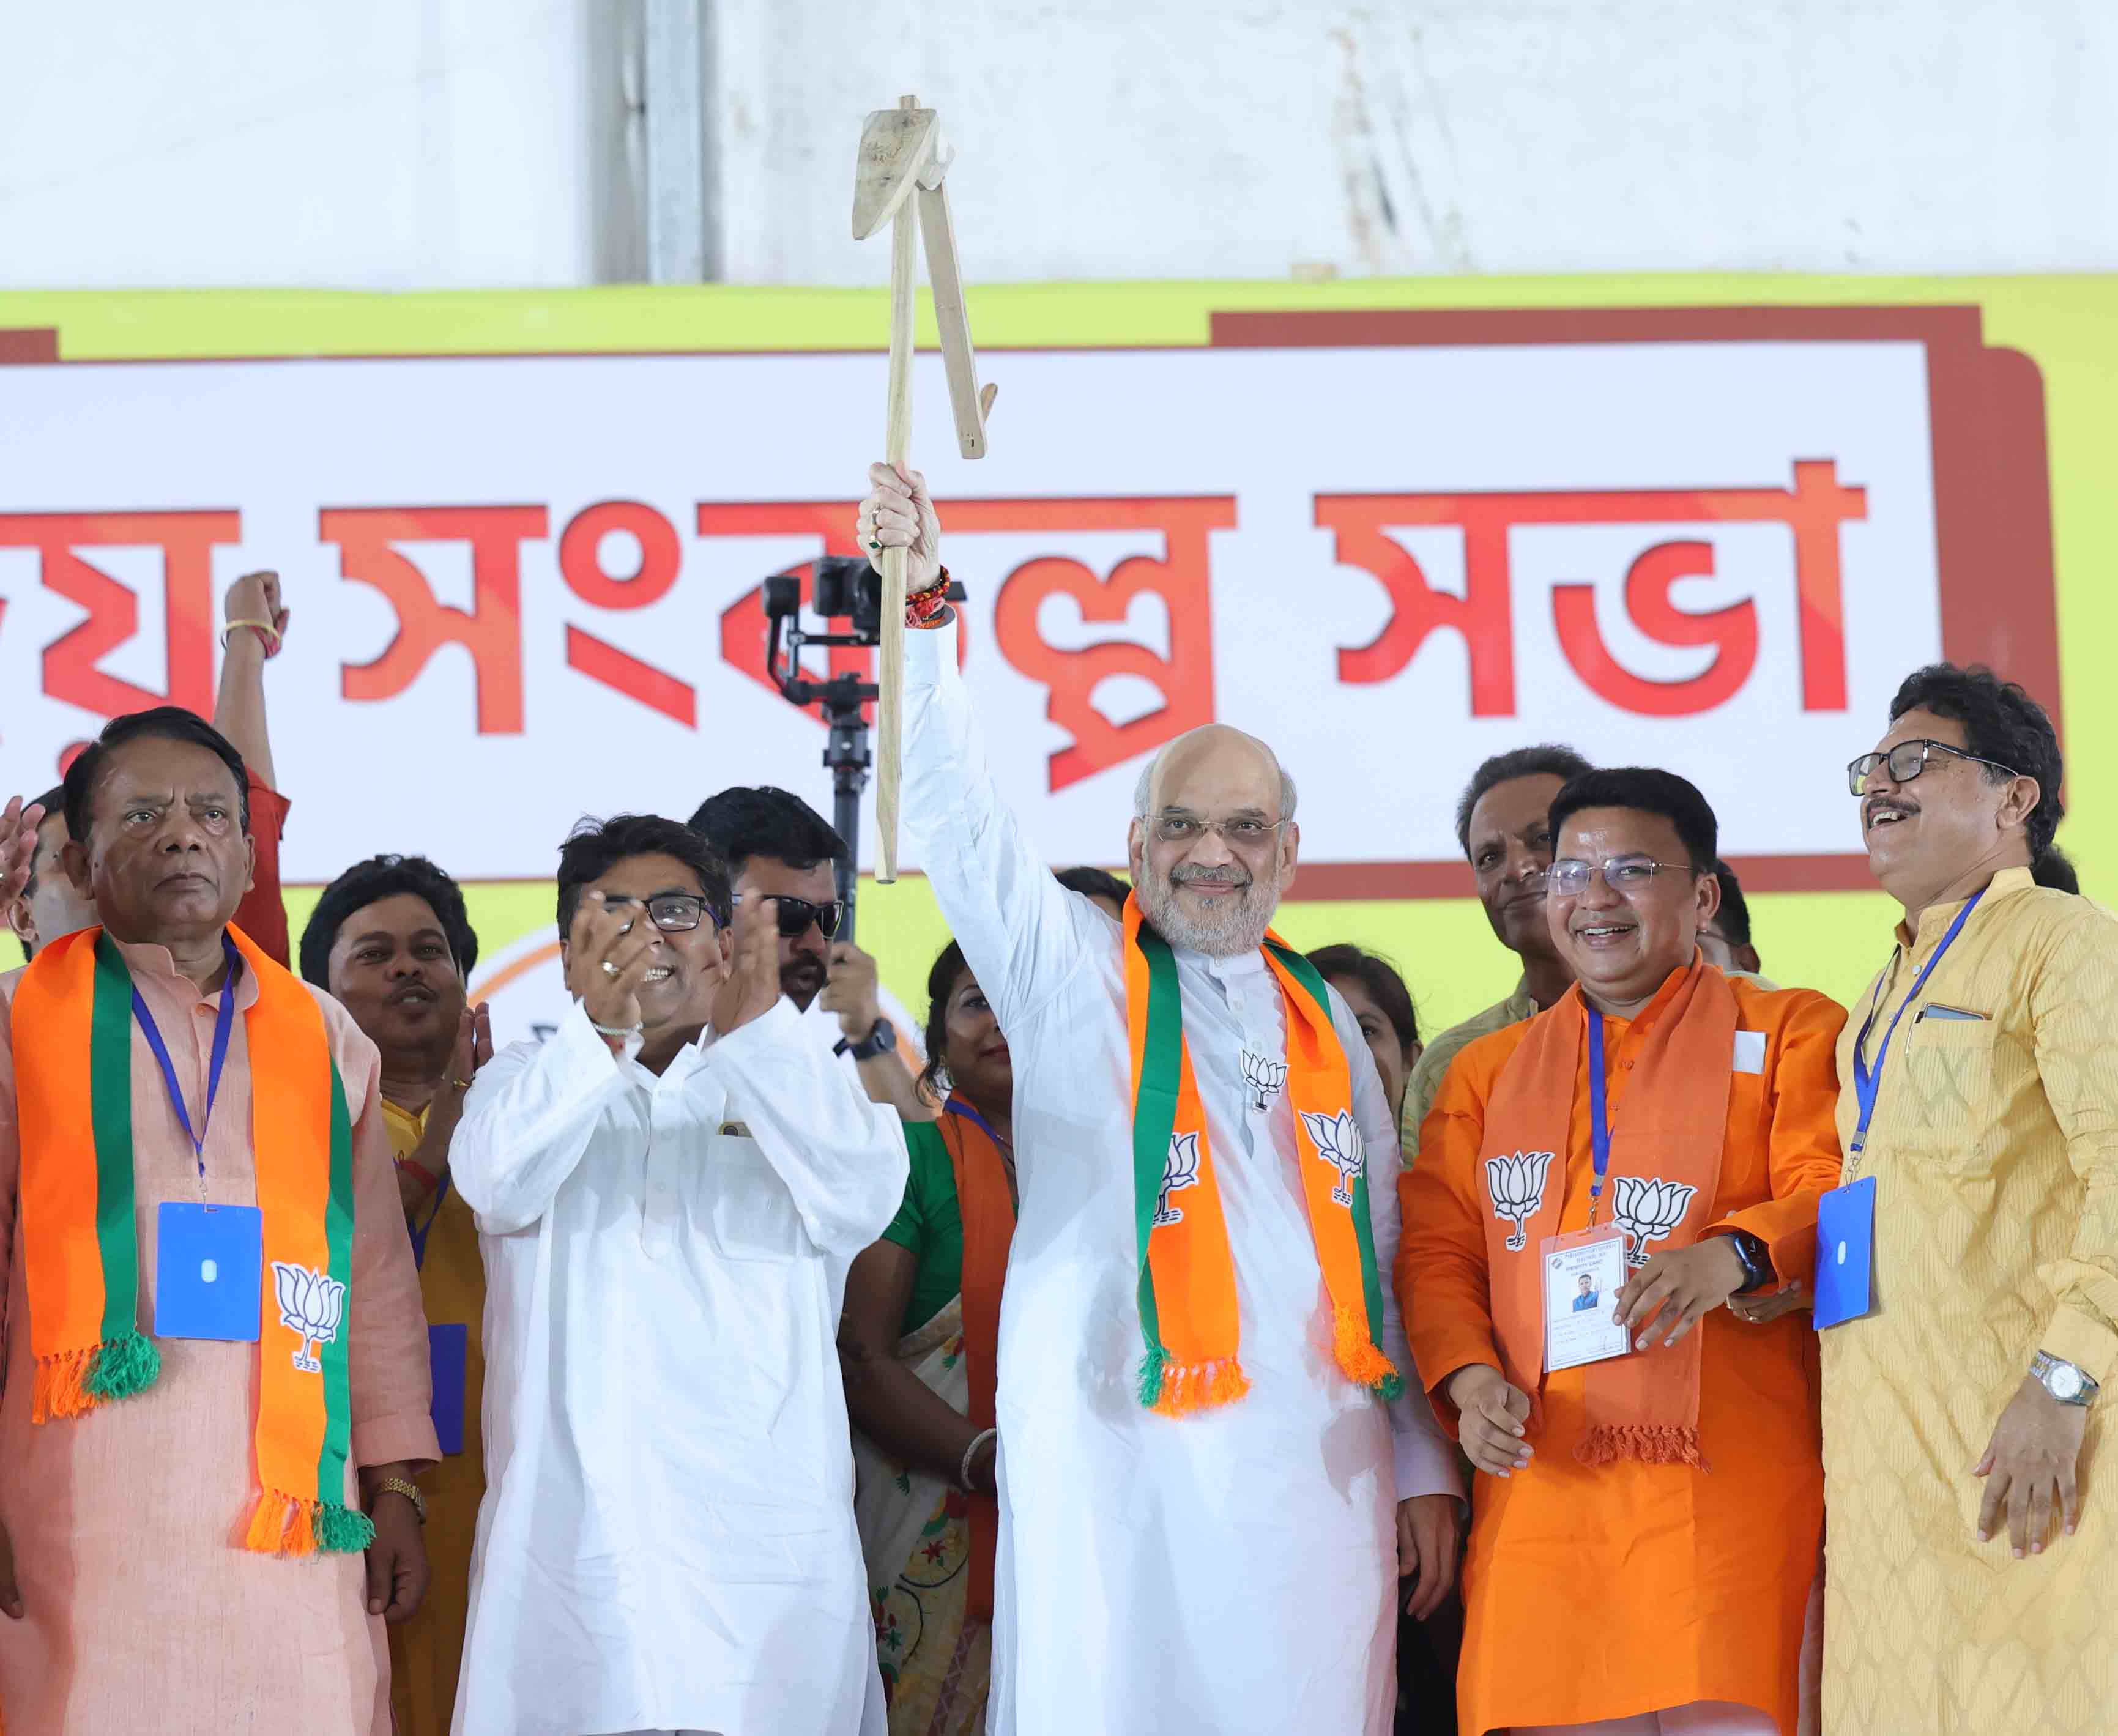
(923, 606)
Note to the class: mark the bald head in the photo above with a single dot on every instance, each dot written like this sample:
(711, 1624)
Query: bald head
(1214, 757)
(1212, 840)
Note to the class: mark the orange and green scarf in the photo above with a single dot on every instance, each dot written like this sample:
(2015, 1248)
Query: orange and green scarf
(73, 1053)
(1187, 1276)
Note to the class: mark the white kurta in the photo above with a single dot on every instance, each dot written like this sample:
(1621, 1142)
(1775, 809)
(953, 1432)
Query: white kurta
(1233, 1570)
(667, 1541)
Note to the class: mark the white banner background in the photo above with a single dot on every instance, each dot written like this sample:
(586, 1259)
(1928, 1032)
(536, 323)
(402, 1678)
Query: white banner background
(1379, 765)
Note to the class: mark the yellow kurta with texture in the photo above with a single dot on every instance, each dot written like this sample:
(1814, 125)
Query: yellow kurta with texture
(426, 1653)
(1995, 1149)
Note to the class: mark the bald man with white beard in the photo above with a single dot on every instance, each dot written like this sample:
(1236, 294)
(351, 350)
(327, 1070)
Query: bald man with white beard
(1210, 1477)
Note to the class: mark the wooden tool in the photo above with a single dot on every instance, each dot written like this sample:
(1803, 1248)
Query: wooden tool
(901, 152)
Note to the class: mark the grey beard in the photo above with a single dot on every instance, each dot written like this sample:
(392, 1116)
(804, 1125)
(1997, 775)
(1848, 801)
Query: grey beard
(1228, 933)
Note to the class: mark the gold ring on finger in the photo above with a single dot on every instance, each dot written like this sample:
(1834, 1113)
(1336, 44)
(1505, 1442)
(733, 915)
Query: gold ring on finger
(608, 968)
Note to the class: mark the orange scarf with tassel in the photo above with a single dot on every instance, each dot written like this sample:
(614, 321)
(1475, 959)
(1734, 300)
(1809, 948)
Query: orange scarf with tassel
(1668, 1129)
(1187, 1280)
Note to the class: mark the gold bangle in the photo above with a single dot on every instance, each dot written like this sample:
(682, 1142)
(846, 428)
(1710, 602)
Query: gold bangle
(401, 1486)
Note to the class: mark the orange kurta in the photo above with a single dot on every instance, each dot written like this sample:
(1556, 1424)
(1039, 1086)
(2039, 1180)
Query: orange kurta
(1617, 1590)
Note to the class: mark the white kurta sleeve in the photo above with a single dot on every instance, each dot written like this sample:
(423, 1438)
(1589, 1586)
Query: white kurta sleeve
(840, 1155)
(1427, 1462)
(1023, 933)
(527, 1119)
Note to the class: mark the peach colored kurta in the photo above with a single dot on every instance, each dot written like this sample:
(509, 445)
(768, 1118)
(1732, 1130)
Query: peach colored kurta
(1610, 1590)
(142, 1609)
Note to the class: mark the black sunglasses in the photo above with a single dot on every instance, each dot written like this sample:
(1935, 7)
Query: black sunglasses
(795, 915)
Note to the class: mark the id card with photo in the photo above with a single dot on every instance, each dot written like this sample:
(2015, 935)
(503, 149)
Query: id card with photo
(1583, 1274)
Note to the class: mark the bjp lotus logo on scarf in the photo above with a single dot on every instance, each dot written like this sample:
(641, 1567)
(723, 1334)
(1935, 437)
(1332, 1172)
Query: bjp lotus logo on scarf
(1181, 1170)
(1517, 1186)
(1647, 1211)
(311, 1305)
(1337, 1143)
(1266, 1077)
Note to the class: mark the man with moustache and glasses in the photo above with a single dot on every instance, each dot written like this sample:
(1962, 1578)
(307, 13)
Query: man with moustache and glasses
(669, 1191)
(1973, 1577)
(1504, 824)
(1209, 1466)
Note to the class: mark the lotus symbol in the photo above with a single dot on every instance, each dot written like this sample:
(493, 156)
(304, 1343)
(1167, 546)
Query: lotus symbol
(1517, 1185)
(1179, 1172)
(1339, 1144)
(1265, 1079)
(311, 1305)
(1647, 1211)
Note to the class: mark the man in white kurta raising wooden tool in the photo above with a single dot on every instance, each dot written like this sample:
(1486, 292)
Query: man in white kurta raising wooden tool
(1210, 1470)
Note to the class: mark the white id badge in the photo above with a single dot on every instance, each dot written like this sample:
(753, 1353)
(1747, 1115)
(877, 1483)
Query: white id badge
(1583, 1275)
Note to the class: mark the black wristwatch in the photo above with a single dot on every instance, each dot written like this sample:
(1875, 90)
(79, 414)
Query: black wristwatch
(1757, 1264)
(878, 1040)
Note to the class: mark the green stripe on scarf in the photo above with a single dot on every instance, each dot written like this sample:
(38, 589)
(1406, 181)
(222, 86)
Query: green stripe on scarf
(340, 1529)
(1364, 1232)
(1153, 1125)
(127, 1361)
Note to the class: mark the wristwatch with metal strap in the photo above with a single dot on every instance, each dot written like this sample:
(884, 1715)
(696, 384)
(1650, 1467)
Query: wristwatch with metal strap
(2068, 1383)
(401, 1486)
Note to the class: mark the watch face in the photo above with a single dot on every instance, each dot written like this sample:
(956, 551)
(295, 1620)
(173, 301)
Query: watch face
(2065, 1381)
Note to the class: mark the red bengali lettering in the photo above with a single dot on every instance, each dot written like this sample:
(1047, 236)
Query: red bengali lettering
(490, 630)
(1182, 577)
(1814, 510)
(661, 559)
(186, 541)
(1732, 631)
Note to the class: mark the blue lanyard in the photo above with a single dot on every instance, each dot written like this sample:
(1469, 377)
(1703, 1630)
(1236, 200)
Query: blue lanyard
(959, 1106)
(420, 1235)
(1599, 1126)
(223, 1024)
(1868, 1081)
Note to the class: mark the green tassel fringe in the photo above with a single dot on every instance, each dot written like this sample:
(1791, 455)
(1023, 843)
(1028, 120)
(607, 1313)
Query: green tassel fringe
(1151, 1366)
(1391, 1388)
(127, 1364)
(342, 1530)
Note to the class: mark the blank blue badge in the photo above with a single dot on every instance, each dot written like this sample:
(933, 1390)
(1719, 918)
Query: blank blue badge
(448, 1357)
(209, 1272)
(1845, 1252)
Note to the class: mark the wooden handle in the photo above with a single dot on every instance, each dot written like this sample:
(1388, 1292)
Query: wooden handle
(897, 447)
(952, 321)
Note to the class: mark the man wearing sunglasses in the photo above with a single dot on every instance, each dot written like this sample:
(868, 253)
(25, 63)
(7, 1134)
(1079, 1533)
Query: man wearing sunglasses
(669, 1191)
(1972, 1581)
(1693, 1113)
(778, 846)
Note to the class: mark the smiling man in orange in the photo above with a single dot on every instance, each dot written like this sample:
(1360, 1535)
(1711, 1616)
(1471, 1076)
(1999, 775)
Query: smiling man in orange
(1645, 1532)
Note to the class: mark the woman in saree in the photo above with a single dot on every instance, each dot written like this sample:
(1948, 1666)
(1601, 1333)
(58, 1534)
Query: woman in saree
(917, 1342)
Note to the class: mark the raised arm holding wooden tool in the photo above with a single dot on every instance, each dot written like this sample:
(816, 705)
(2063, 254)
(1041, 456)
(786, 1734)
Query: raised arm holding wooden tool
(901, 149)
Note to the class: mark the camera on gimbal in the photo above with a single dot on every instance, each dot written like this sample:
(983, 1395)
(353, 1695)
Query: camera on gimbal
(843, 589)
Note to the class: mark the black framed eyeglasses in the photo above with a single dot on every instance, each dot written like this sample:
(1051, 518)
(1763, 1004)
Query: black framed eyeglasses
(672, 913)
(1907, 761)
(795, 915)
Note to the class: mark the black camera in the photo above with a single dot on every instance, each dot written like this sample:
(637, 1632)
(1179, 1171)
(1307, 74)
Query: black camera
(847, 589)
(844, 588)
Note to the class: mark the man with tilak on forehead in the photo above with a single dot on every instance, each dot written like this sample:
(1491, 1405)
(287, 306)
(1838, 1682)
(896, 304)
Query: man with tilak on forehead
(1211, 1470)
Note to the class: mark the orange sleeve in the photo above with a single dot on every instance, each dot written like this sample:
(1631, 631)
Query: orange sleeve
(262, 914)
(1805, 1161)
(1440, 1273)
